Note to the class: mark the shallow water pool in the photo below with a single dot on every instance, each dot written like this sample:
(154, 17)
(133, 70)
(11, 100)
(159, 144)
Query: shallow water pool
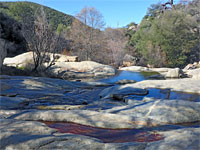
(129, 75)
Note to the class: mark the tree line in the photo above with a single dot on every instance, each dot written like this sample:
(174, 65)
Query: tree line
(166, 36)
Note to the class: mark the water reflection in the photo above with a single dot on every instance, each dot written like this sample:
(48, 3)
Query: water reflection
(169, 95)
(129, 75)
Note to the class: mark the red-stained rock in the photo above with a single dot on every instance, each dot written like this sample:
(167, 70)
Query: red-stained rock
(107, 135)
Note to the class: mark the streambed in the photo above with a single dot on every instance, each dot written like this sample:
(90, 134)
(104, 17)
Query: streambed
(76, 108)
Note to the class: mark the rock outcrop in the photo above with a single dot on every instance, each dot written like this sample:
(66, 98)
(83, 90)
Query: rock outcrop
(157, 124)
(11, 38)
(195, 65)
(129, 60)
(174, 73)
(195, 73)
(65, 67)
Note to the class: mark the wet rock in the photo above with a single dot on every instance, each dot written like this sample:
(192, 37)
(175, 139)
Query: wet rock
(122, 90)
(4, 86)
(125, 81)
(46, 91)
(158, 77)
(107, 135)
(20, 133)
(97, 84)
(182, 85)
(16, 134)
(129, 101)
(164, 72)
(118, 97)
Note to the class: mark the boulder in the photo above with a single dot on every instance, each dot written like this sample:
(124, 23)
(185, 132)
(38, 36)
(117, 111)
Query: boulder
(129, 60)
(174, 73)
(125, 81)
(22, 60)
(195, 73)
(189, 66)
(120, 91)
(135, 68)
(65, 58)
(195, 65)
(64, 66)
(82, 69)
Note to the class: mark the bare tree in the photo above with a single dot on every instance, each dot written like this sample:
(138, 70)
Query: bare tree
(116, 42)
(85, 32)
(41, 40)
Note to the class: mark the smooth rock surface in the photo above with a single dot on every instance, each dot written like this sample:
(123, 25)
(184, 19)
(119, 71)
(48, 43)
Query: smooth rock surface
(162, 111)
(11, 102)
(155, 113)
(85, 117)
(182, 85)
(134, 68)
(182, 139)
(36, 99)
(173, 73)
(64, 67)
(31, 135)
(122, 90)
(90, 67)
(195, 73)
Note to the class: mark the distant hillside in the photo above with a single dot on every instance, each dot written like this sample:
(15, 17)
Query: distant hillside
(19, 10)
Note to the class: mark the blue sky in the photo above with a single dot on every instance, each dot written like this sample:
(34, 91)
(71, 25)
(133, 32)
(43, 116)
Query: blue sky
(116, 13)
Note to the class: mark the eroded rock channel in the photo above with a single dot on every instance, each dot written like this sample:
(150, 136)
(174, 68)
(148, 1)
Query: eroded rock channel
(45, 113)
